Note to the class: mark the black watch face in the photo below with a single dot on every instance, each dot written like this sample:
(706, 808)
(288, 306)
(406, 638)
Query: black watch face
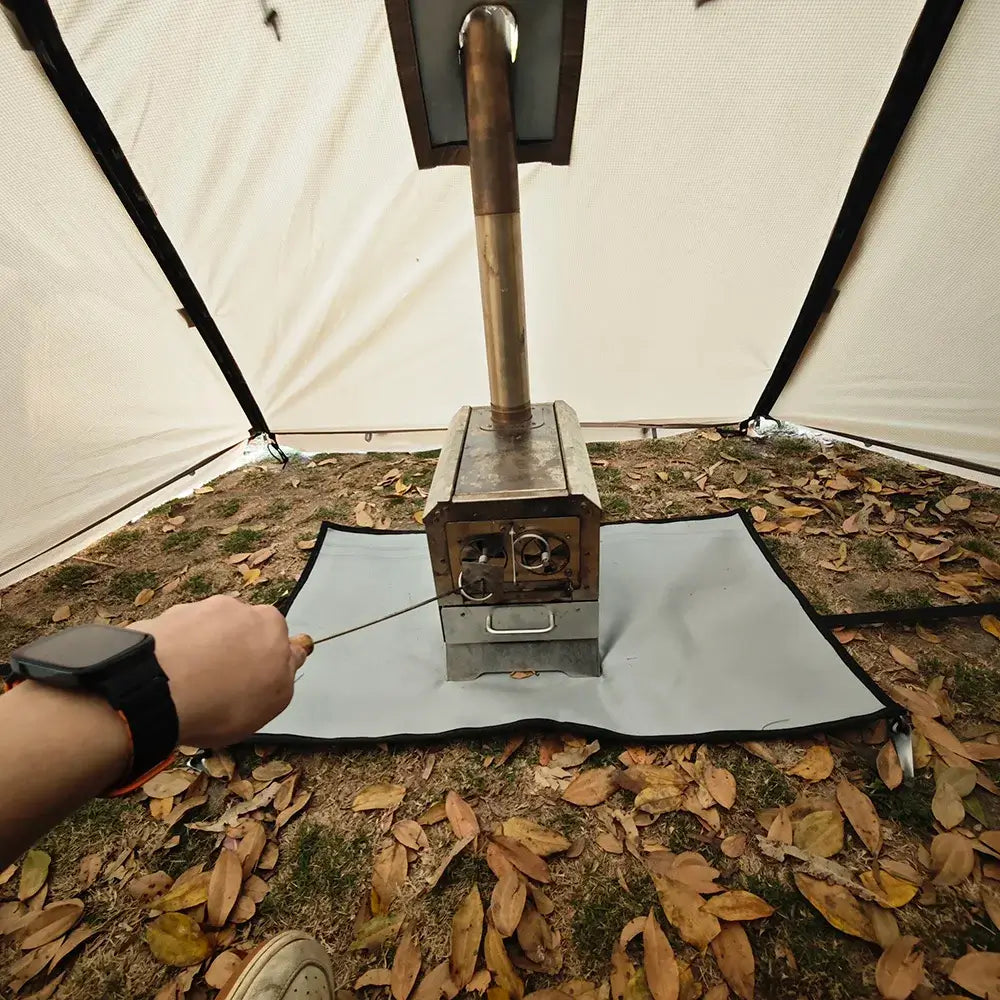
(79, 650)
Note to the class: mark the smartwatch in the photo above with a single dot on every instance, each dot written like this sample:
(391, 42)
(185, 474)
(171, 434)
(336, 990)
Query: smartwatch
(119, 665)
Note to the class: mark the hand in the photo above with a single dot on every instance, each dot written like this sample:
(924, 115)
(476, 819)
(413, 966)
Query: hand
(230, 665)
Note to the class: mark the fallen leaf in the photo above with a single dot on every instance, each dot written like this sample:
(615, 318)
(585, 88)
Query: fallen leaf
(378, 797)
(144, 597)
(405, 967)
(175, 939)
(927, 635)
(83, 933)
(435, 984)
(903, 659)
(237, 557)
(457, 848)
(734, 846)
(389, 874)
(738, 905)
(498, 962)
(536, 838)
(271, 771)
(947, 806)
(8, 873)
(28, 966)
(610, 843)
(507, 903)
(758, 514)
(61, 613)
(659, 963)
(297, 805)
(184, 894)
(34, 872)
(256, 888)
(260, 557)
(376, 932)
(990, 898)
(887, 764)
(251, 847)
(941, 737)
(591, 787)
(861, 814)
(796, 510)
(433, 814)
(722, 786)
(224, 966)
(53, 922)
(978, 972)
(168, 783)
(900, 970)
(952, 858)
(410, 833)
(523, 859)
(815, 765)
(820, 833)
(90, 868)
(224, 887)
(780, 830)
(988, 623)
(731, 948)
(373, 977)
(204, 489)
(466, 935)
(622, 970)
(462, 819)
(684, 910)
(837, 906)
(147, 887)
(243, 911)
(575, 756)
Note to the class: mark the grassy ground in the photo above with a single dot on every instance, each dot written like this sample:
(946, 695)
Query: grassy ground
(323, 876)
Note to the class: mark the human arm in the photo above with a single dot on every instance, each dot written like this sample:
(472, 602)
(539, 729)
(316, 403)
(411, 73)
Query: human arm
(231, 669)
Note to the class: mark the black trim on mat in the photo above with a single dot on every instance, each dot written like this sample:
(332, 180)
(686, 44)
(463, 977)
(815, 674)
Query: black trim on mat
(118, 510)
(890, 709)
(40, 28)
(919, 58)
(912, 616)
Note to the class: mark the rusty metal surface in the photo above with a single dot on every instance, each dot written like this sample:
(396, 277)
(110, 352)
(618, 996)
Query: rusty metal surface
(576, 459)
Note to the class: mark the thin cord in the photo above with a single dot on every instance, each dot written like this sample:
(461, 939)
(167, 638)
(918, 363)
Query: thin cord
(384, 618)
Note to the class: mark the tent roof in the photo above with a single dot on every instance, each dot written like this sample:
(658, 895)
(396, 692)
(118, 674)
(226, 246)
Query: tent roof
(724, 159)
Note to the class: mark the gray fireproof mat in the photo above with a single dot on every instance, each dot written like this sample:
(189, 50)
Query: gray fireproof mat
(702, 636)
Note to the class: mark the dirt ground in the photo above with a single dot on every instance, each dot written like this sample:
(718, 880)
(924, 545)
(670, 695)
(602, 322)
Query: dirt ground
(855, 531)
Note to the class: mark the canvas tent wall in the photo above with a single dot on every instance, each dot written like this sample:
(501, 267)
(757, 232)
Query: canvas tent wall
(665, 266)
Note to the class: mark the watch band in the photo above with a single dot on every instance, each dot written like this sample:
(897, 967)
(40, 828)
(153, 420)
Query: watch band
(141, 696)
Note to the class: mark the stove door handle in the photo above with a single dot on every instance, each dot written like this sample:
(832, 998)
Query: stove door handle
(520, 631)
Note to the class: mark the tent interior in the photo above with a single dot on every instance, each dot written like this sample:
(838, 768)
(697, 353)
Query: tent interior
(769, 209)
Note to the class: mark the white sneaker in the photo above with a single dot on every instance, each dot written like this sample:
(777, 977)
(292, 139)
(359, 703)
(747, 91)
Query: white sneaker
(292, 964)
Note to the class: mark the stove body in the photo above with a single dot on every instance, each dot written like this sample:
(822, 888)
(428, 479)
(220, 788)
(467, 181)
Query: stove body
(513, 515)
(513, 524)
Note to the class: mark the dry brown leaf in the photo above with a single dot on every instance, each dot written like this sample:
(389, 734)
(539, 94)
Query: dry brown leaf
(271, 771)
(918, 702)
(498, 962)
(978, 972)
(147, 887)
(758, 514)
(885, 924)
(720, 991)
(780, 830)
(861, 814)
(462, 819)
(378, 797)
(34, 872)
(61, 614)
(28, 966)
(947, 806)
(575, 756)
(591, 787)
(168, 783)
(224, 887)
(820, 833)
(902, 658)
(433, 814)
(796, 510)
(684, 909)
(376, 932)
(610, 843)
(941, 737)
(536, 838)
(721, 784)
(507, 903)
(734, 845)
(738, 905)
(83, 933)
(405, 967)
(373, 977)
(286, 790)
(887, 764)
(622, 970)
(144, 597)
(251, 846)
(900, 970)
(175, 939)
(389, 875)
(224, 966)
(659, 963)
(260, 557)
(90, 868)
(543, 904)
(410, 833)
(815, 765)
(8, 873)
(256, 888)
(243, 911)
(990, 898)
(298, 804)
(457, 848)
(731, 948)
(237, 557)
(837, 906)
(988, 623)
(54, 921)
(435, 984)
(184, 894)
(952, 858)
(523, 859)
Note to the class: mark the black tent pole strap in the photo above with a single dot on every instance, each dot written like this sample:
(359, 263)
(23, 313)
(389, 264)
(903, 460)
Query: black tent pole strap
(910, 616)
(42, 33)
(918, 61)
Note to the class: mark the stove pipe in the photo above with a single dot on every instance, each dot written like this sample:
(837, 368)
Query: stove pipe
(486, 60)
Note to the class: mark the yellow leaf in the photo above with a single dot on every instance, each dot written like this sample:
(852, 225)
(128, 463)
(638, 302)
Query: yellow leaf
(184, 894)
(893, 892)
(34, 872)
(861, 814)
(837, 906)
(466, 934)
(224, 886)
(738, 905)
(900, 970)
(978, 972)
(418, 516)
(462, 819)
(378, 797)
(251, 577)
(536, 838)
(796, 511)
(376, 931)
(201, 490)
(816, 765)
(731, 948)
(989, 623)
(820, 833)
(175, 939)
(659, 963)
(144, 597)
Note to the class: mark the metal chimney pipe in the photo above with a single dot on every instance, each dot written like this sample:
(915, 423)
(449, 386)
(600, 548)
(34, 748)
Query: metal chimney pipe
(486, 59)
